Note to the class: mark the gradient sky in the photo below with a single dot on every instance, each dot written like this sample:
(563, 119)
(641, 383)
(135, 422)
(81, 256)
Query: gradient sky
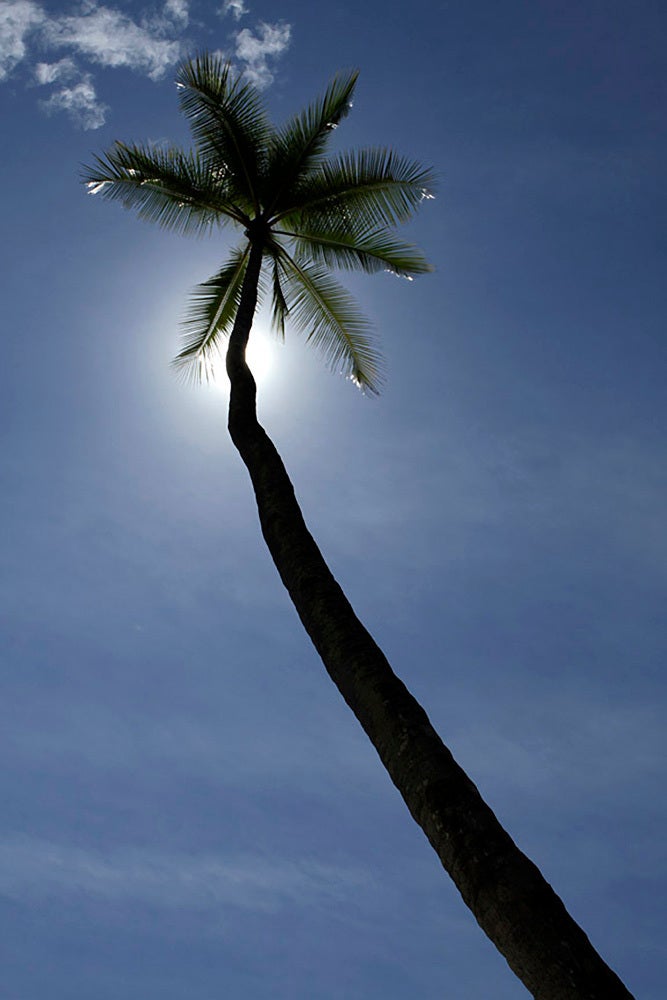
(189, 809)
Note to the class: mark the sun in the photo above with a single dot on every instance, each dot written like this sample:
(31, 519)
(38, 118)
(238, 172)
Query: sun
(260, 355)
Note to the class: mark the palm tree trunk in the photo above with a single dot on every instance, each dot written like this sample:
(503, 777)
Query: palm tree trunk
(506, 892)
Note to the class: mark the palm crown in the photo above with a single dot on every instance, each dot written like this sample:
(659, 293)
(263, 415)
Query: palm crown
(307, 212)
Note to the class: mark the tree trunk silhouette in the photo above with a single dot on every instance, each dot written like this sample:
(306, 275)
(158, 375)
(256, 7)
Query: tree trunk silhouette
(510, 899)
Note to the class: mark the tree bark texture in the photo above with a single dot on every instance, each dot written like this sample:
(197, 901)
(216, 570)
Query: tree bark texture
(510, 899)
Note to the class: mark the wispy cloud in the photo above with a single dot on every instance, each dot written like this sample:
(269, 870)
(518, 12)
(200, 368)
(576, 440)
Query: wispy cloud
(63, 70)
(102, 36)
(76, 95)
(18, 18)
(178, 11)
(620, 746)
(40, 869)
(97, 34)
(80, 102)
(112, 39)
(236, 8)
(256, 48)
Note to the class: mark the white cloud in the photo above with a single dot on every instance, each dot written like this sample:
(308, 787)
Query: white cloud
(178, 11)
(235, 7)
(255, 49)
(78, 99)
(110, 38)
(80, 102)
(17, 19)
(46, 73)
(42, 869)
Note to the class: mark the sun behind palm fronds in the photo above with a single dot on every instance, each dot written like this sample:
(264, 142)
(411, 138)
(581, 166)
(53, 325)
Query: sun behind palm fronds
(309, 212)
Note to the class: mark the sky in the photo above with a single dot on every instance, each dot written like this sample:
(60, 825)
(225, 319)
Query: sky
(189, 809)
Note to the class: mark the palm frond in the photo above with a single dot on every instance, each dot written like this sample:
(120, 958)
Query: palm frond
(310, 213)
(167, 186)
(370, 250)
(279, 306)
(330, 318)
(211, 314)
(228, 121)
(378, 184)
(297, 147)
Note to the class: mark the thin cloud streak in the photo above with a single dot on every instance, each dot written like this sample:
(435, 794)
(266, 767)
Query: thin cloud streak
(31, 868)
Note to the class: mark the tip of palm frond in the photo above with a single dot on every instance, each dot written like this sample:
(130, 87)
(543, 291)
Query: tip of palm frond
(194, 369)
(343, 83)
(416, 269)
(336, 103)
(202, 66)
(369, 376)
(365, 387)
(368, 370)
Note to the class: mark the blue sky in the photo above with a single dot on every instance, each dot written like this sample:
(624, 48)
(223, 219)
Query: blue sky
(188, 808)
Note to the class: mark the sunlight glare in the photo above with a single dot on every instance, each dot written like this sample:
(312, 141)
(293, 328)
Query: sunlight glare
(260, 356)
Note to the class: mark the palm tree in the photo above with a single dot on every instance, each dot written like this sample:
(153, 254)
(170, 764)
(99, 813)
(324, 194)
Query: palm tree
(301, 213)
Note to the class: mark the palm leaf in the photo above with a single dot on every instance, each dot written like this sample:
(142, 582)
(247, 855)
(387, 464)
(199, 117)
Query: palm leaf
(278, 186)
(228, 121)
(368, 251)
(210, 316)
(279, 306)
(297, 148)
(384, 188)
(328, 314)
(167, 186)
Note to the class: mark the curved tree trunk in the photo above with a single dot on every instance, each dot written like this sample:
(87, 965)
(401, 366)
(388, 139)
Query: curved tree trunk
(511, 901)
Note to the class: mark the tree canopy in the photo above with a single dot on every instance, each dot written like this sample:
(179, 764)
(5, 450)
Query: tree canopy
(309, 211)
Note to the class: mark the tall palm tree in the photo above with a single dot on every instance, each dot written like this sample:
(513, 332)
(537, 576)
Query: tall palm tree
(302, 213)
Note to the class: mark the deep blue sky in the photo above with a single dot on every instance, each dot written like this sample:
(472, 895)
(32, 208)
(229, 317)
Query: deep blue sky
(188, 808)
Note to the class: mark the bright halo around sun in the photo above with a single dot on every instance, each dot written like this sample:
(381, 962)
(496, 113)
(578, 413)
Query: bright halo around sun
(260, 355)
